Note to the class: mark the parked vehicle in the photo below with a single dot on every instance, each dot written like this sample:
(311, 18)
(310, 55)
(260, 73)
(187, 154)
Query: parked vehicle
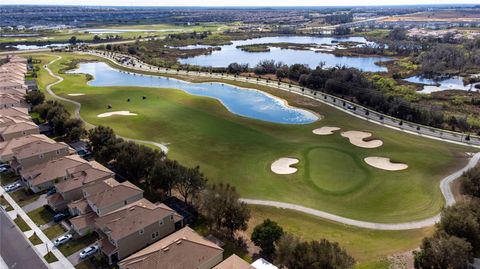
(51, 191)
(4, 167)
(13, 187)
(89, 251)
(62, 239)
(61, 216)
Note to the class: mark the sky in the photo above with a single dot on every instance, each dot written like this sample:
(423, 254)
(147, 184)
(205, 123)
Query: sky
(235, 2)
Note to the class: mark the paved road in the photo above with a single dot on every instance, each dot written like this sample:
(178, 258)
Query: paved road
(78, 106)
(333, 101)
(15, 249)
(62, 260)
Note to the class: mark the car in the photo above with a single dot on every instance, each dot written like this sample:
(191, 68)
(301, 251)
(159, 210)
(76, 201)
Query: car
(61, 216)
(89, 251)
(4, 168)
(350, 107)
(62, 239)
(13, 187)
(51, 191)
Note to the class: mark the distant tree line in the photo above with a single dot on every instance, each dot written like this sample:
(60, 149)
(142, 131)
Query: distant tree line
(339, 18)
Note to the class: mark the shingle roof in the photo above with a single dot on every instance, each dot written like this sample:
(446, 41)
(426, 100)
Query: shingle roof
(184, 249)
(109, 192)
(15, 111)
(82, 175)
(51, 170)
(7, 147)
(36, 148)
(18, 127)
(234, 262)
(132, 218)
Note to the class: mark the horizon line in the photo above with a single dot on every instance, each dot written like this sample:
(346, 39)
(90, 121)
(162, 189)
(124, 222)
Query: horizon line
(249, 6)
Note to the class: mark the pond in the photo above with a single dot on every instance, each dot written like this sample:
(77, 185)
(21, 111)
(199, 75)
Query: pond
(33, 47)
(442, 84)
(241, 101)
(230, 53)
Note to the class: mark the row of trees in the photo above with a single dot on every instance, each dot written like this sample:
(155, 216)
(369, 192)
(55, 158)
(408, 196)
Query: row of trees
(457, 239)
(145, 166)
(289, 251)
(354, 84)
(57, 116)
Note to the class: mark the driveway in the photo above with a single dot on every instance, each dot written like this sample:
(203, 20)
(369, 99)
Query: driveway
(41, 201)
(75, 257)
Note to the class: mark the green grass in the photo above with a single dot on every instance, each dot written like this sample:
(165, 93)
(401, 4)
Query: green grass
(76, 244)
(49, 257)
(34, 239)
(23, 197)
(363, 244)
(21, 224)
(41, 216)
(5, 203)
(7, 178)
(332, 175)
(54, 231)
(380, 264)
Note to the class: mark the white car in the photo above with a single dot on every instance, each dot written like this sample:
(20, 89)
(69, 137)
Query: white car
(89, 251)
(62, 239)
(13, 187)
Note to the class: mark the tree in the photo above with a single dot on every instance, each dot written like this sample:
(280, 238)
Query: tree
(471, 182)
(265, 235)
(35, 98)
(222, 209)
(443, 251)
(397, 34)
(103, 143)
(319, 255)
(463, 221)
(190, 183)
(164, 175)
(73, 40)
(96, 38)
(74, 129)
(284, 249)
(135, 161)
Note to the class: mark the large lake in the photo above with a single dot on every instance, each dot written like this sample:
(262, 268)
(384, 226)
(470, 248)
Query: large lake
(230, 53)
(244, 102)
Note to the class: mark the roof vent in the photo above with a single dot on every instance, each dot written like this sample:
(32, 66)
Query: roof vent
(165, 249)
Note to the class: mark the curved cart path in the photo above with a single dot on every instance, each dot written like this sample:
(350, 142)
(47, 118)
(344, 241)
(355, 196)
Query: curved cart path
(445, 184)
(78, 106)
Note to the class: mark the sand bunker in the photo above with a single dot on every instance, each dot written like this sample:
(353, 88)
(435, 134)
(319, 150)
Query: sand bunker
(357, 138)
(282, 166)
(76, 94)
(325, 130)
(385, 164)
(120, 113)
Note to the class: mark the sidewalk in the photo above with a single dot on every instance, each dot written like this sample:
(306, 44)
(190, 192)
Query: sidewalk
(63, 262)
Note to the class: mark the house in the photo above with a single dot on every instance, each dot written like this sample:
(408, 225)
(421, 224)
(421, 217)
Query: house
(37, 152)
(263, 264)
(7, 85)
(78, 178)
(184, 249)
(234, 262)
(134, 227)
(45, 175)
(99, 199)
(8, 100)
(7, 147)
(15, 112)
(18, 129)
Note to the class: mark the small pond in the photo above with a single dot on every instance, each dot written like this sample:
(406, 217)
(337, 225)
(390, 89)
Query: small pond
(442, 84)
(241, 101)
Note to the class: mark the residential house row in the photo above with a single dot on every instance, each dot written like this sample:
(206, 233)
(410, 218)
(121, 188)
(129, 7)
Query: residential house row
(132, 231)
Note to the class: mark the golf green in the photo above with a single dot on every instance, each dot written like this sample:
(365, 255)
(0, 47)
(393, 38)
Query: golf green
(331, 176)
